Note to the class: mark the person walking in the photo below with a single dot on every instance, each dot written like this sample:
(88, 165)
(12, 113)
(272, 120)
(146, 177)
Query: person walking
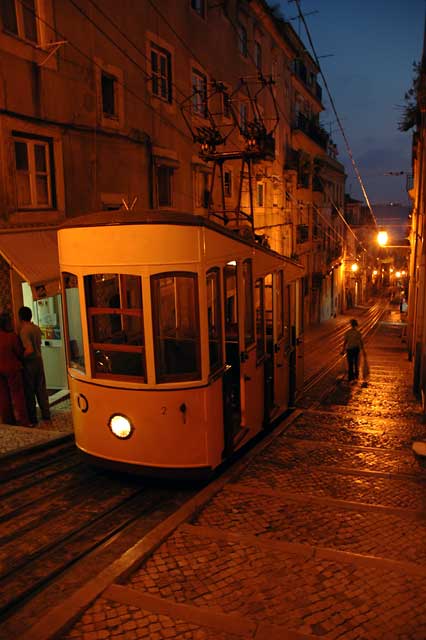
(13, 409)
(352, 346)
(35, 380)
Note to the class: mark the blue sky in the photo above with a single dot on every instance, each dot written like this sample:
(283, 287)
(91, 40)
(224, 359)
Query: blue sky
(373, 45)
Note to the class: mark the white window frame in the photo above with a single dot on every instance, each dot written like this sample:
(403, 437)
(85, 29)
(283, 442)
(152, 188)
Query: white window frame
(115, 120)
(32, 172)
(20, 22)
(260, 195)
(162, 78)
(199, 83)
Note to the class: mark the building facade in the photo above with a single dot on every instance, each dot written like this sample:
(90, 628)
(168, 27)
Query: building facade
(157, 105)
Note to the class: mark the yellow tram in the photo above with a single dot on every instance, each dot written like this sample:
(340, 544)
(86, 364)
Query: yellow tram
(184, 338)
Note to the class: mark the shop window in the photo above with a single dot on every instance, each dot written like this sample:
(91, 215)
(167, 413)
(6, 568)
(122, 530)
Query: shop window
(260, 319)
(214, 319)
(175, 319)
(248, 299)
(75, 351)
(34, 172)
(115, 320)
(19, 18)
(161, 73)
(199, 96)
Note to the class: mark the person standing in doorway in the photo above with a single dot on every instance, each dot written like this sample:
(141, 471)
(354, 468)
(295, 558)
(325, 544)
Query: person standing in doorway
(35, 380)
(13, 408)
(352, 346)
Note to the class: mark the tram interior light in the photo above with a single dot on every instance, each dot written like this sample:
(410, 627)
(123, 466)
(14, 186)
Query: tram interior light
(120, 426)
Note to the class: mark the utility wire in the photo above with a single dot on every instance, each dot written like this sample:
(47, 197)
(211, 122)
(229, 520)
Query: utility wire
(333, 106)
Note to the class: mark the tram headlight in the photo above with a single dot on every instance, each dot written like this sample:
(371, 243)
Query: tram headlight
(120, 426)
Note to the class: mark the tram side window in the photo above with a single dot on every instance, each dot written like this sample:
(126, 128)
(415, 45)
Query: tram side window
(231, 303)
(279, 301)
(214, 319)
(269, 314)
(248, 300)
(115, 319)
(287, 316)
(260, 319)
(175, 319)
(73, 316)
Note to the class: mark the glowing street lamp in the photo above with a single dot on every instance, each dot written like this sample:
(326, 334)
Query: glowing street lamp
(354, 267)
(398, 274)
(382, 238)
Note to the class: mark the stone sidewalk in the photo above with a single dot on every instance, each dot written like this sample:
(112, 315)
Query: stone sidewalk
(14, 439)
(320, 532)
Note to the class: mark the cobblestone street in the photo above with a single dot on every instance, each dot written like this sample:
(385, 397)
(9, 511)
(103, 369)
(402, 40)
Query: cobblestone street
(321, 533)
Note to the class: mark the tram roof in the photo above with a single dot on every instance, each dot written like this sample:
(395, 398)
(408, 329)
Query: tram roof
(123, 217)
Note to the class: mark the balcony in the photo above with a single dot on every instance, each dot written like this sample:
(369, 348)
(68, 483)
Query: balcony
(312, 129)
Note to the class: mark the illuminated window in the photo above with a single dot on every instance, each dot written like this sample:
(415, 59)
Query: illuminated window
(199, 97)
(214, 319)
(33, 172)
(175, 319)
(231, 302)
(161, 73)
(19, 18)
(115, 322)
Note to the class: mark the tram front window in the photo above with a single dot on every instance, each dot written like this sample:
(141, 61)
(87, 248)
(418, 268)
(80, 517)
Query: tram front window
(115, 318)
(176, 326)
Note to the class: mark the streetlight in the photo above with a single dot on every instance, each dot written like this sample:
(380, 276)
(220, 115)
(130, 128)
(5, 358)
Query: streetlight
(354, 267)
(382, 238)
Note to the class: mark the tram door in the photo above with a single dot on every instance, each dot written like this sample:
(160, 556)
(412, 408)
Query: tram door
(231, 379)
(299, 331)
(277, 336)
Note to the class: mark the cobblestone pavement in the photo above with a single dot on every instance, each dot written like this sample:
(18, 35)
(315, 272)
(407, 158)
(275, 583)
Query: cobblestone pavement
(322, 534)
(13, 438)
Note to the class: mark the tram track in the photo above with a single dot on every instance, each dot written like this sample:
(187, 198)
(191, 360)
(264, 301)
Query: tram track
(58, 514)
(333, 341)
(54, 516)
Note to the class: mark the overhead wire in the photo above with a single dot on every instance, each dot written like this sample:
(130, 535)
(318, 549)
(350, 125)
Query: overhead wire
(333, 106)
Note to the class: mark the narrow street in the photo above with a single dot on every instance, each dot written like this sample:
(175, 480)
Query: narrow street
(319, 532)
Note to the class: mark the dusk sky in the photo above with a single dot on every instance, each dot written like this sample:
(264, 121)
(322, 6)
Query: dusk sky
(373, 45)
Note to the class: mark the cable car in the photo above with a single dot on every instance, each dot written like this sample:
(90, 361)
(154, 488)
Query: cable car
(183, 338)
